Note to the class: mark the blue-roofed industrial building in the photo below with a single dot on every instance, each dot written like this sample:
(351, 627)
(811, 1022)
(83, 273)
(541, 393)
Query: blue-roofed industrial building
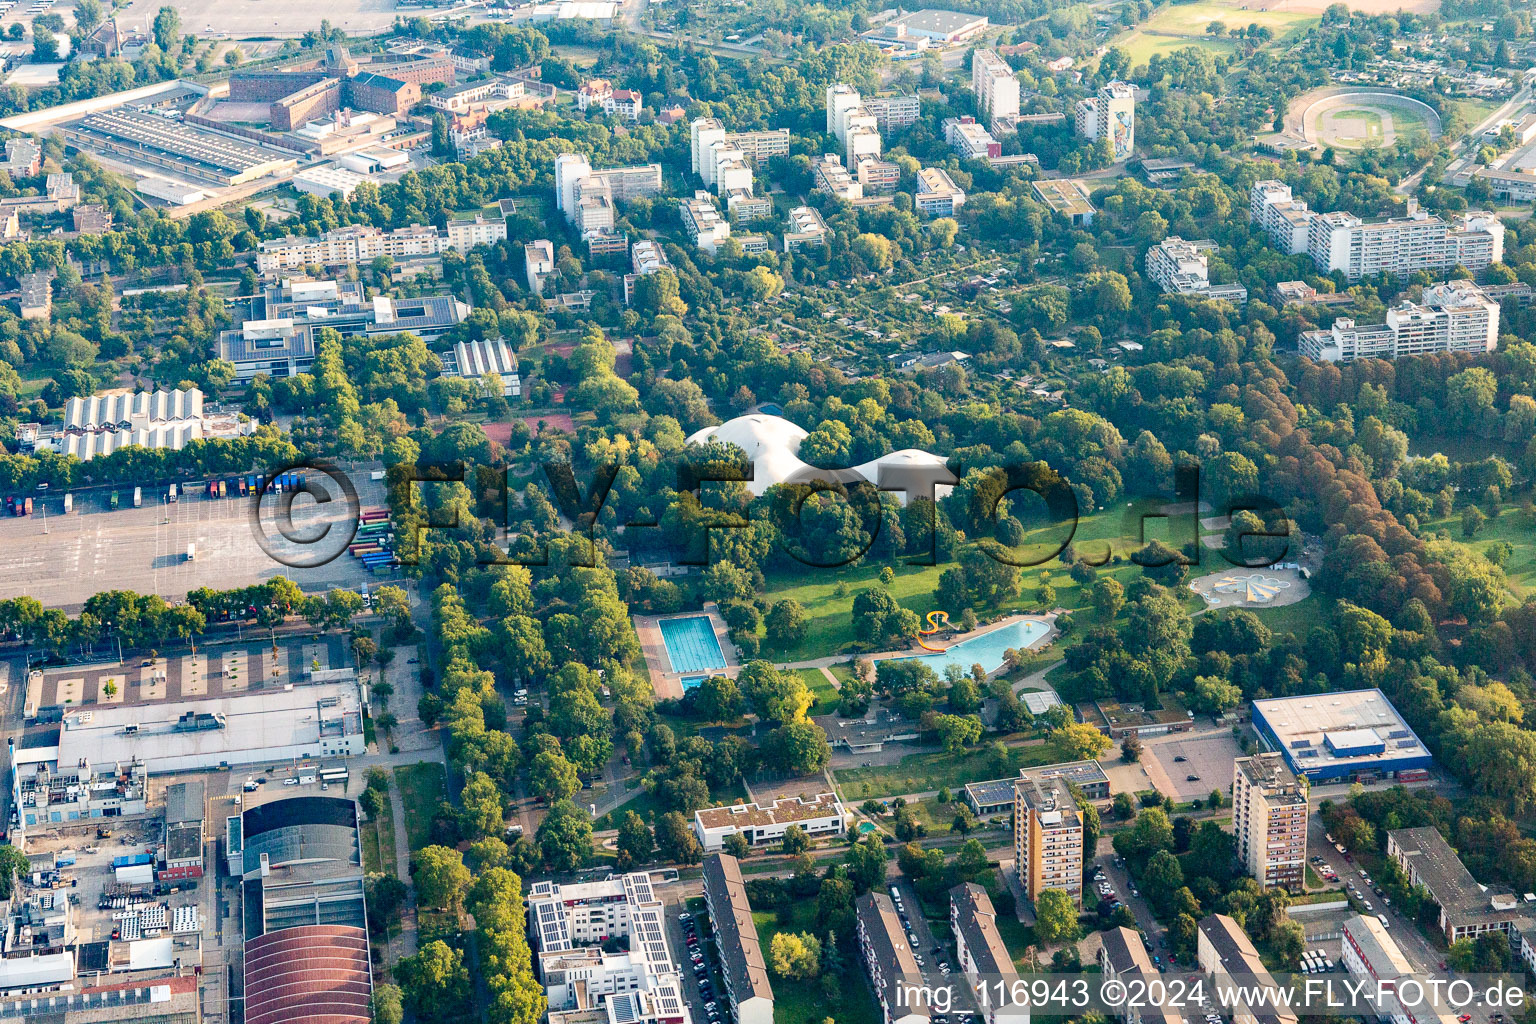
(1329, 737)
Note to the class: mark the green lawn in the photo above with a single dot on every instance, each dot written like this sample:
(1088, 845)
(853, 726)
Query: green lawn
(922, 773)
(821, 688)
(830, 617)
(804, 1002)
(1292, 618)
(422, 787)
(1175, 26)
(1509, 525)
(650, 808)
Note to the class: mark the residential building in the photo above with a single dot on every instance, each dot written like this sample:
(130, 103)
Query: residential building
(757, 147)
(743, 206)
(36, 300)
(829, 175)
(23, 158)
(1110, 115)
(539, 263)
(1225, 951)
(1455, 316)
(646, 257)
(476, 360)
(1122, 957)
(806, 227)
(464, 231)
(878, 177)
(1047, 837)
(461, 99)
(1180, 267)
(1374, 959)
(980, 951)
(1287, 221)
(937, 194)
(1467, 909)
(842, 99)
(1067, 197)
(856, 128)
(818, 817)
(742, 966)
(889, 959)
(1269, 820)
(600, 93)
(703, 221)
(575, 179)
(605, 242)
(356, 244)
(92, 219)
(1342, 242)
(582, 982)
(970, 140)
(277, 338)
(996, 88)
(895, 112)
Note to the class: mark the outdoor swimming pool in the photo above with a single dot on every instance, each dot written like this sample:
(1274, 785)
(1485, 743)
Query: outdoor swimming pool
(987, 650)
(691, 644)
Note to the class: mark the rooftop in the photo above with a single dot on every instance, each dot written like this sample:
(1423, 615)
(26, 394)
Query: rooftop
(1325, 730)
(1445, 876)
(741, 953)
(788, 809)
(976, 919)
(1063, 195)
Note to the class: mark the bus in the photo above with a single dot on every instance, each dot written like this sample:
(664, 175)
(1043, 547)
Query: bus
(337, 774)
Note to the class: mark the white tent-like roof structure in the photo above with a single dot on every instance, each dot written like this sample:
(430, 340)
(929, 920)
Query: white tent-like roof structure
(772, 445)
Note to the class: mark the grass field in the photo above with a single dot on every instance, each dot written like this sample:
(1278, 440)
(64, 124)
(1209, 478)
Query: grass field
(804, 1001)
(1292, 618)
(422, 786)
(929, 772)
(1352, 126)
(1509, 526)
(1174, 26)
(821, 688)
(830, 617)
(379, 840)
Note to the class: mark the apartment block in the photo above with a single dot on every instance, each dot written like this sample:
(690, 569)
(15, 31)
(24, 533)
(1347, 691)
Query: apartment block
(1047, 837)
(893, 113)
(466, 230)
(1456, 316)
(1402, 245)
(856, 128)
(539, 258)
(970, 140)
(979, 948)
(1224, 950)
(879, 177)
(1110, 115)
(1123, 958)
(996, 88)
(1181, 267)
(1374, 959)
(704, 222)
(581, 193)
(889, 959)
(1467, 909)
(354, 244)
(818, 817)
(829, 175)
(742, 966)
(1269, 820)
(582, 982)
(1287, 221)
(806, 227)
(646, 257)
(937, 194)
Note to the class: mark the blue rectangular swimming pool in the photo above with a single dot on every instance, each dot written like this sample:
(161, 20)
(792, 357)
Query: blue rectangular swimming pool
(691, 644)
(988, 650)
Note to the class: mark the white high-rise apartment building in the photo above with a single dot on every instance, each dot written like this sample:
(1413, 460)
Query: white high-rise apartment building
(856, 128)
(1287, 221)
(1452, 317)
(841, 98)
(996, 88)
(1181, 267)
(1110, 115)
(1269, 820)
(586, 196)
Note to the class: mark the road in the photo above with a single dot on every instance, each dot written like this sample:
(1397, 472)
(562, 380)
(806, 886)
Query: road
(1460, 154)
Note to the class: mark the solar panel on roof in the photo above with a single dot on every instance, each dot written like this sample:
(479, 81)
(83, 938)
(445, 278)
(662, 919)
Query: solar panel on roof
(1300, 743)
(1406, 744)
(1399, 734)
(622, 1007)
(1306, 753)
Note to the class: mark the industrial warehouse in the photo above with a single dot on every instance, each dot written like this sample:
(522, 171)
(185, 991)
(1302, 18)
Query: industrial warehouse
(1330, 737)
(166, 142)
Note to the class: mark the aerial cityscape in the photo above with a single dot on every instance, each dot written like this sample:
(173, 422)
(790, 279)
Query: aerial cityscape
(767, 513)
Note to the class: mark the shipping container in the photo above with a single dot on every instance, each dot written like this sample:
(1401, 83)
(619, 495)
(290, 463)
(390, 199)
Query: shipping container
(129, 859)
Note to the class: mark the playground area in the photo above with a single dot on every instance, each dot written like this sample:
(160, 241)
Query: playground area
(1271, 587)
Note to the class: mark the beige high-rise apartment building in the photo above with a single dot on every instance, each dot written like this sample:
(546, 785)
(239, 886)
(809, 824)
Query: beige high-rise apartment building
(1269, 820)
(1047, 837)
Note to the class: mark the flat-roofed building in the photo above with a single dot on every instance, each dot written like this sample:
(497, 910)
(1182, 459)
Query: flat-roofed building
(1456, 316)
(1047, 837)
(980, 950)
(889, 959)
(894, 112)
(538, 263)
(1181, 267)
(1340, 241)
(996, 87)
(829, 175)
(704, 222)
(742, 966)
(476, 360)
(806, 227)
(878, 177)
(148, 138)
(938, 26)
(350, 245)
(937, 194)
(1373, 957)
(1467, 909)
(1287, 221)
(969, 139)
(1224, 950)
(1269, 820)
(184, 833)
(23, 158)
(1343, 735)
(1111, 114)
(464, 231)
(819, 817)
(36, 301)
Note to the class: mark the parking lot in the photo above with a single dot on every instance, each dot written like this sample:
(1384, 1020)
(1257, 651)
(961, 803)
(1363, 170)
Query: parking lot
(62, 559)
(687, 939)
(1189, 765)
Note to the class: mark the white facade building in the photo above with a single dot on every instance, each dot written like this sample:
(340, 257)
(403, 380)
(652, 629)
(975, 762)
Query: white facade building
(704, 222)
(586, 196)
(969, 139)
(1287, 221)
(937, 194)
(1452, 317)
(539, 255)
(1374, 958)
(819, 817)
(1112, 115)
(996, 88)
(1182, 267)
(1344, 243)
